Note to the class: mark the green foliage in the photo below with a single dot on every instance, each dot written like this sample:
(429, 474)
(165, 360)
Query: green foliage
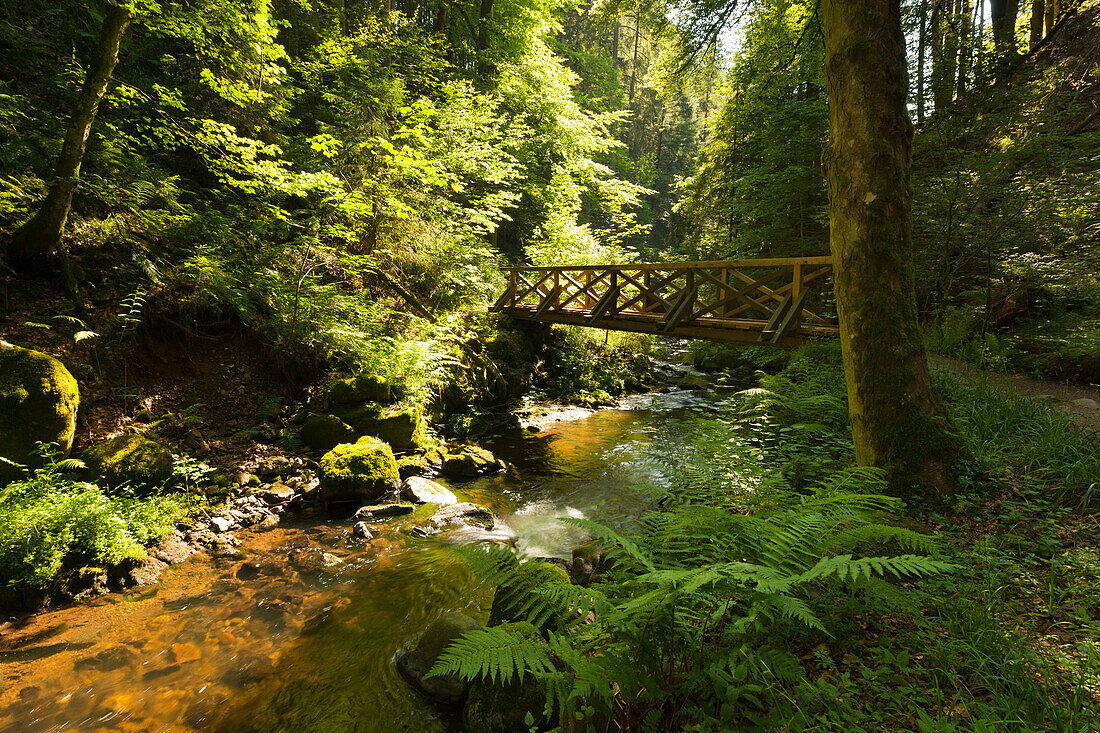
(50, 522)
(694, 620)
(589, 367)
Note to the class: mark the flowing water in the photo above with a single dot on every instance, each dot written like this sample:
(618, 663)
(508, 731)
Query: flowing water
(248, 644)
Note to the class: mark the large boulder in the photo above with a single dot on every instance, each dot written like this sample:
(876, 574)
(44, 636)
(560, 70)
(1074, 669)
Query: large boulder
(38, 403)
(415, 663)
(470, 461)
(495, 707)
(130, 460)
(363, 388)
(325, 432)
(364, 470)
(401, 428)
(425, 491)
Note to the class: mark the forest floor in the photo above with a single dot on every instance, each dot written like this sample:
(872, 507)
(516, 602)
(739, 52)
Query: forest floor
(1062, 395)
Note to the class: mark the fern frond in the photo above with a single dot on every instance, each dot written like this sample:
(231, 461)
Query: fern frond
(493, 654)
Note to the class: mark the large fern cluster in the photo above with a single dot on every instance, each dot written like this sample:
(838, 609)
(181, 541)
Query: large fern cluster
(700, 613)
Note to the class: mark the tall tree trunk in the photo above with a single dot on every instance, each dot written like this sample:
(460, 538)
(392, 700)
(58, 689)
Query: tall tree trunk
(922, 43)
(1003, 14)
(1038, 11)
(966, 43)
(943, 57)
(485, 15)
(41, 235)
(897, 424)
(1051, 15)
(634, 63)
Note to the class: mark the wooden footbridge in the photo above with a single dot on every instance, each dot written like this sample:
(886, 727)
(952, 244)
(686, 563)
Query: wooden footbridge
(779, 302)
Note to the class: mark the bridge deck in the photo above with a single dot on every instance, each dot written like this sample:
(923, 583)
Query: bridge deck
(779, 302)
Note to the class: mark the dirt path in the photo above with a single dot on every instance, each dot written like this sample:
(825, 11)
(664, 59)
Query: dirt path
(1067, 397)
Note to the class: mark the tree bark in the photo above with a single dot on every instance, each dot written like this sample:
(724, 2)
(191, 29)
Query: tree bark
(943, 55)
(1003, 14)
(922, 42)
(1051, 15)
(41, 235)
(1038, 11)
(484, 18)
(897, 424)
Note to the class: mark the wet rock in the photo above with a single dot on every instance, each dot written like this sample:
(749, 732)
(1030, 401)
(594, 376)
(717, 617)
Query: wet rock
(112, 658)
(414, 664)
(362, 531)
(173, 550)
(414, 465)
(493, 707)
(221, 524)
(129, 459)
(462, 513)
(38, 402)
(146, 572)
(248, 571)
(270, 521)
(470, 461)
(424, 491)
(381, 512)
(365, 469)
(474, 535)
(325, 432)
(312, 559)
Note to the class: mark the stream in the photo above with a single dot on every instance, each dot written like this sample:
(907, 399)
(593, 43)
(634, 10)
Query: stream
(246, 643)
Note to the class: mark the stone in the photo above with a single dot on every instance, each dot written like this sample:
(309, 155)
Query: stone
(379, 512)
(146, 572)
(312, 559)
(1045, 398)
(248, 571)
(221, 524)
(276, 493)
(361, 530)
(425, 491)
(365, 469)
(278, 466)
(132, 460)
(1086, 403)
(38, 403)
(413, 664)
(401, 428)
(494, 707)
(362, 388)
(414, 465)
(173, 550)
(325, 432)
(470, 461)
(463, 513)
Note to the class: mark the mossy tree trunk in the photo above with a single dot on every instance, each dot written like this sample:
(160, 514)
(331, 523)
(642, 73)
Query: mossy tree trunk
(896, 422)
(41, 235)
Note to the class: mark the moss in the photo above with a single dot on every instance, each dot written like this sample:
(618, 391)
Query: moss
(363, 388)
(365, 470)
(469, 461)
(325, 432)
(403, 428)
(38, 403)
(129, 459)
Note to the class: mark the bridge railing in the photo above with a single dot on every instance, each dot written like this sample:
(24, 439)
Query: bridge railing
(778, 299)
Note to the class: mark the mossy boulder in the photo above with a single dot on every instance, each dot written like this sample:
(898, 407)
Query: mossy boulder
(325, 432)
(494, 707)
(364, 470)
(360, 389)
(413, 664)
(38, 403)
(469, 461)
(132, 460)
(401, 428)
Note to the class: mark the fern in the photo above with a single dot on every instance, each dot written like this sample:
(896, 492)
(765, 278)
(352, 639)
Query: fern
(493, 654)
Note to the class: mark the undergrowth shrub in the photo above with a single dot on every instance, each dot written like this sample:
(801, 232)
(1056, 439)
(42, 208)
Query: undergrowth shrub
(703, 613)
(589, 368)
(49, 522)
